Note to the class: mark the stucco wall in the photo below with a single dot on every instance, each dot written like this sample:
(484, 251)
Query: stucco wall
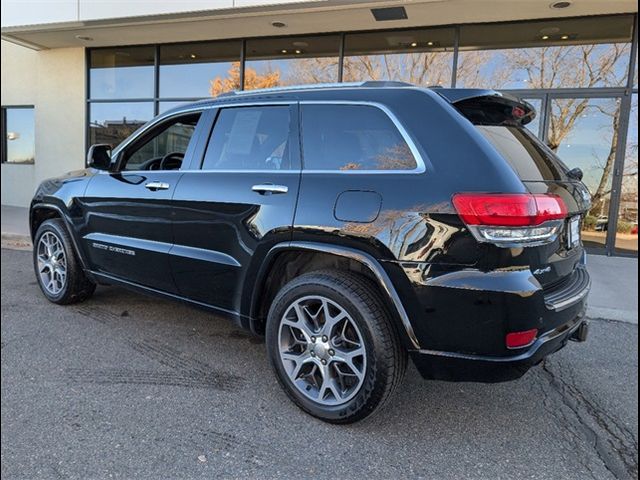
(52, 11)
(54, 82)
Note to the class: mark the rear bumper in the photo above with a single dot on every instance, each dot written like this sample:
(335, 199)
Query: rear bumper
(451, 366)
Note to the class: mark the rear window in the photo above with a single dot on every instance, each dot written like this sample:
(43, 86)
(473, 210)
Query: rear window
(530, 158)
(352, 137)
(501, 120)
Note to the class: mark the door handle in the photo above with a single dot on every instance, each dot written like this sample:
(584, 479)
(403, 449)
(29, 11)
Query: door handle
(269, 188)
(153, 186)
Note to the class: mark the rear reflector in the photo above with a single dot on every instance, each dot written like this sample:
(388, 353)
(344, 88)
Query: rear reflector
(509, 210)
(521, 339)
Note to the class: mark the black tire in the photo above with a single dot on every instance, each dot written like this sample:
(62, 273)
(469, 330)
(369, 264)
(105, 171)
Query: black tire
(77, 287)
(386, 359)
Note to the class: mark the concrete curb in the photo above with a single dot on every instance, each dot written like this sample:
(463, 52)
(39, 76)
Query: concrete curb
(16, 242)
(613, 314)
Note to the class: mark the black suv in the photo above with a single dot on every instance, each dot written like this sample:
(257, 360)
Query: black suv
(353, 225)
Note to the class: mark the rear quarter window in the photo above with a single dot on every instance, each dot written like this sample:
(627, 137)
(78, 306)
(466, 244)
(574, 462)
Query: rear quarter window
(352, 137)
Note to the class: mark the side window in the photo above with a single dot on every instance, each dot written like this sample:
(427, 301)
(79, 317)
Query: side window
(166, 147)
(250, 138)
(352, 137)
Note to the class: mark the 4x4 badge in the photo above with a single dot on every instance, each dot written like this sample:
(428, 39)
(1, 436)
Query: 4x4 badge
(540, 271)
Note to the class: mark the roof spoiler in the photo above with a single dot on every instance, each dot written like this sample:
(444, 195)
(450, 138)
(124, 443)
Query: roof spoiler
(489, 107)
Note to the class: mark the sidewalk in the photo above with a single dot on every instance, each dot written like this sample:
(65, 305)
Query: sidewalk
(15, 227)
(614, 295)
(614, 290)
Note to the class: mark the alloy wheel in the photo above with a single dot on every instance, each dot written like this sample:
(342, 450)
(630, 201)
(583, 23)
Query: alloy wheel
(52, 263)
(322, 350)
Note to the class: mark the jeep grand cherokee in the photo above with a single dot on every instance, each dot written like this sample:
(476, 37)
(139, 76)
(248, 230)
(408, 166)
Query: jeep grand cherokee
(354, 226)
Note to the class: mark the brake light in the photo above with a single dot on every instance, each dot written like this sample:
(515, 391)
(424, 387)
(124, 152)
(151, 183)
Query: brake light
(511, 219)
(509, 209)
(521, 339)
(518, 112)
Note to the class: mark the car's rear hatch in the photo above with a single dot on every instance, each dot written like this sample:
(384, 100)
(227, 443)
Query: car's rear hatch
(502, 120)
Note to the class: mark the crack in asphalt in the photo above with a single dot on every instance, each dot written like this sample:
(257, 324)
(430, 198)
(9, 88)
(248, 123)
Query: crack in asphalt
(614, 443)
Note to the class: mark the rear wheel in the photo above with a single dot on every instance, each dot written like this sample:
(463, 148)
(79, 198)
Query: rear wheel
(333, 346)
(56, 265)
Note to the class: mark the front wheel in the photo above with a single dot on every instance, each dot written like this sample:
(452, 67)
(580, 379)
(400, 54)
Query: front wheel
(333, 346)
(56, 265)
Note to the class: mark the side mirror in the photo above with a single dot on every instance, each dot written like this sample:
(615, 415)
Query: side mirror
(99, 156)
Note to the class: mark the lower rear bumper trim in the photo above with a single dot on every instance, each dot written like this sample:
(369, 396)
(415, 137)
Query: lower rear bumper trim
(462, 367)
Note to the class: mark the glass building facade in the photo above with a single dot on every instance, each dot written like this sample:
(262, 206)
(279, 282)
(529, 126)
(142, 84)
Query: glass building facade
(579, 73)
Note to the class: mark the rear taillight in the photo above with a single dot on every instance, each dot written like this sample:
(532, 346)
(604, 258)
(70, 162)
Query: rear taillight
(508, 220)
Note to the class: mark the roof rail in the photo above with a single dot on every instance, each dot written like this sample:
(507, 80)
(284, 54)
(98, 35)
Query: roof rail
(314, 86)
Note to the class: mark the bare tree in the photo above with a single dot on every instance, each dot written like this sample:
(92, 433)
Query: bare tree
(420, 68)
(312, 70)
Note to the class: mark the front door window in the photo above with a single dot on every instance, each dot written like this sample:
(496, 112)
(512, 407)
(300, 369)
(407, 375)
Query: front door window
(164, 149)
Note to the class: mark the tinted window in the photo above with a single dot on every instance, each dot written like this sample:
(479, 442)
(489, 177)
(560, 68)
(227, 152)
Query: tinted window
(531, 159)
(172, 139)
(422, 57)
(273, 62)
(500, 120)
(559, 53)
(352, 137)
(250, 138)
(195, 70)
(122, 72)
(18, 129)
(113, 122)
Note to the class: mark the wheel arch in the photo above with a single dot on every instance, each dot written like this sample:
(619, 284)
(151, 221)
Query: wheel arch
(41, 212)
(286, 260)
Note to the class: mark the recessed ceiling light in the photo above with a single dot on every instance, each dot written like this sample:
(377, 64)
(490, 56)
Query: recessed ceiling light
(284, 50)
(560, 5)
(84, 38)
(565, 37)
(193, 55)
(430, 44)
(277, 24)
(298, 52)
(413, 44)
(545, 37)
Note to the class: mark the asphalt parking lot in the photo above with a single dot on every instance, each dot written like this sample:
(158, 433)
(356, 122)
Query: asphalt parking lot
(127, 386)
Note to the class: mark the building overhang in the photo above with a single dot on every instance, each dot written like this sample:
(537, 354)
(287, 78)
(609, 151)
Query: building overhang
(320, 16)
